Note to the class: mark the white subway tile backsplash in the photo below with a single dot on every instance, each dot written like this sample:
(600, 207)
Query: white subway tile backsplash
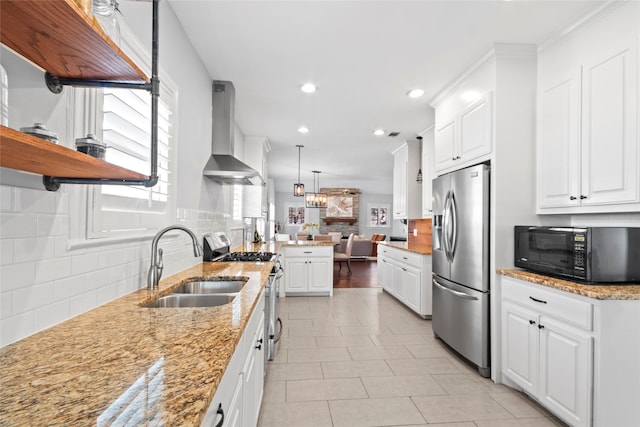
(33, 249)
(29, 200)
(52, 225)
(16, 327)
(68, 287)
(6, 305)
(32, 297)
(110, 258)
(6, 251)
(107, 293)
(84, 263)
(7, 199)
(51, 314)
(17, 225)
(16, 276)
(117, 273)
(96, 279)
(53, 269)
(82, 303)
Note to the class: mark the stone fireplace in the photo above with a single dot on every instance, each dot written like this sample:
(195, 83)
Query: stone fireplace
(342, 211)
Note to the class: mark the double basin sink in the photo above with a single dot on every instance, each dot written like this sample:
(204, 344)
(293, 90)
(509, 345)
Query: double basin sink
(200, 293)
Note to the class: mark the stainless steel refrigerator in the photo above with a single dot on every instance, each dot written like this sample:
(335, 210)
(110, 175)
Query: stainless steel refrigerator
(461, 263)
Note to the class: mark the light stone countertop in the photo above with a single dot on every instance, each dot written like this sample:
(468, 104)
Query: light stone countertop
(152, 366)
(276, 246)
(595, 291)
(409, 247)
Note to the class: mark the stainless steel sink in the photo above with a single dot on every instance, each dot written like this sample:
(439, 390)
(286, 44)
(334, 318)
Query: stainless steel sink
(210, 287)
(191, 300)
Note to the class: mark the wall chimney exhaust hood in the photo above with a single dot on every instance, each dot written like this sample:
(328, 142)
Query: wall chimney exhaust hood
(222, 166)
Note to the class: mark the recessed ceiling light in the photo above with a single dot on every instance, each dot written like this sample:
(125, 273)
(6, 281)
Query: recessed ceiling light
(308, 88)
(415, 93)
(303, 129)
(378, 132)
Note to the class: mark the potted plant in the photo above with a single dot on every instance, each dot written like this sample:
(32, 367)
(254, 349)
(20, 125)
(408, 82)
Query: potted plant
(310, 225)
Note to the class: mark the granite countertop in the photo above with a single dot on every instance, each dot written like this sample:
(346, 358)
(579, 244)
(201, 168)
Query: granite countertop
(595, 291)
(275, 246)
(409, 247)
(148, 366)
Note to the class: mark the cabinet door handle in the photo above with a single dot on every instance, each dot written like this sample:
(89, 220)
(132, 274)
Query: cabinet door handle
(582, 197)
(540, 327)
(307, 252)
(537, 300)
(532, 322)
(220, 412)
(404, 269)
(572, 197)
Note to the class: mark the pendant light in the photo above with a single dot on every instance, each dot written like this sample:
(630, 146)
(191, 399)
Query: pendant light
(298, 187)
(419, 177)
(316, 200)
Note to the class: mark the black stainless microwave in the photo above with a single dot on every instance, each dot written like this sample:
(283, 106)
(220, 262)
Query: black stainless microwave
(589, 254)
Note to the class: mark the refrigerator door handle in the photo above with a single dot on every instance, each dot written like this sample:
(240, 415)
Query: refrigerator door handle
(454, 226)
(456, 293)
(445, 225)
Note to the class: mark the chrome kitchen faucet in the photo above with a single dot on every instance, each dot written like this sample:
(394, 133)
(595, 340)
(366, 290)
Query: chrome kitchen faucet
(155, 270)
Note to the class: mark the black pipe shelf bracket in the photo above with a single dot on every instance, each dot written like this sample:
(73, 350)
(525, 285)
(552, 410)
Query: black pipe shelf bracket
(56, 84)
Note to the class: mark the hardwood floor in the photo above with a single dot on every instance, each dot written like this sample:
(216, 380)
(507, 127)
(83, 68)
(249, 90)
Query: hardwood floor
(364, 274)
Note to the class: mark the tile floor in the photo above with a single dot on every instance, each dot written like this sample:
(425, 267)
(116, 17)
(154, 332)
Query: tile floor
(360, 358)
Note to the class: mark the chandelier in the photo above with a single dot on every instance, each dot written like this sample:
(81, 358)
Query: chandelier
(315, 200)
(298, 187)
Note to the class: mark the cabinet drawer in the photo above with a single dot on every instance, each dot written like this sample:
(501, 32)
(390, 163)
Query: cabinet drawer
(405, 257)
(566, 308)
(308, 251)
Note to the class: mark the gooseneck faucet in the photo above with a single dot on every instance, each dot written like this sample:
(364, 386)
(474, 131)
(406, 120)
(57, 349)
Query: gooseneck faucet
(155, 270)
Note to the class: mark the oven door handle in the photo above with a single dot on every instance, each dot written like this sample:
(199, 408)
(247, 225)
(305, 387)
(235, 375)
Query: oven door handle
(456, 293)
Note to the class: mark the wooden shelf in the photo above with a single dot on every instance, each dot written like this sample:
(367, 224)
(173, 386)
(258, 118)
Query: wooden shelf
(28, 153)
(57, 36)
(331, 220)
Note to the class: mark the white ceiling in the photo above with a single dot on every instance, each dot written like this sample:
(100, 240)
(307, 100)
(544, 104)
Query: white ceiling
(364, 57)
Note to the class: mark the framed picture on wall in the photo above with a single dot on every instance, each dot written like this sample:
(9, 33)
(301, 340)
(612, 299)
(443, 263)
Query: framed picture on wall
(294, 214)
(378, 215)
(340, 206)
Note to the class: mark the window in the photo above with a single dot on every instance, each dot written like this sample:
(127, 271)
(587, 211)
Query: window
(123, 122)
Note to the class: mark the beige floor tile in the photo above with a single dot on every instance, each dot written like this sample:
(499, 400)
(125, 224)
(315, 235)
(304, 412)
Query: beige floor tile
(298, 315)
(468, 407)
(426, 351)
(379, 352)
(518, 405)
(465, 383)
(315, 332)
(294, 371)
(466, 424)
(355, 341)
(523, 422)
(364, 330)
(289, 414)
(298, 342)
(274, 392)
(281, 356)
(398, 339)
(374, 412)
(325, 389)
(336, 321)
(409, 328)
(301, 355)
(402, 386)
(438, 365)
(353, 369)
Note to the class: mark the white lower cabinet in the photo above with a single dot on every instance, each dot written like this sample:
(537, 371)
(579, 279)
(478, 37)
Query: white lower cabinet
(577, 356)
(308, 270)
(407, 276)
(239, 395)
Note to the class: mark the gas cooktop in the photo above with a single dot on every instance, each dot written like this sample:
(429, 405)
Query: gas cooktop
(248, 256)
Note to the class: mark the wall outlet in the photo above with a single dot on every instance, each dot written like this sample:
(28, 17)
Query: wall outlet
(415, 232)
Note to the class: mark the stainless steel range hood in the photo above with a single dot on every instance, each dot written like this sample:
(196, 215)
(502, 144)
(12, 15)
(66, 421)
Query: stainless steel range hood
(222, 166)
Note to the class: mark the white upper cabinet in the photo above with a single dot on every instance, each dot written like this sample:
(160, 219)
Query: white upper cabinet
(463, 136)
(255, 197)
(407, 194)
(587, 151)
(428, 171)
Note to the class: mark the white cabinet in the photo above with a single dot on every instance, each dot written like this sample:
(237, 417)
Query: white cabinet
(588, 156)
(545, 353)
(464, 137)
(239, 395)
(255, 197)
(428, 172)
(407, 276)
(308, 270)
(407, 194)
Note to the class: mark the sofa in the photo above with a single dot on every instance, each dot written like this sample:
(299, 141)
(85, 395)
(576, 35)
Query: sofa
(362, 247)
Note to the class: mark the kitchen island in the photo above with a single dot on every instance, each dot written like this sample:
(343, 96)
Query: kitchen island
(121, 360)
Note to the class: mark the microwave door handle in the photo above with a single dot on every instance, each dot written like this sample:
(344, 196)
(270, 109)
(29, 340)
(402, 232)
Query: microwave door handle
(454, 226)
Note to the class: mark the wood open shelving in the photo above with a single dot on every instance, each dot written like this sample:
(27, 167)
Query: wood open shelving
(29, 153)
(57, 36)
(331, 220)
